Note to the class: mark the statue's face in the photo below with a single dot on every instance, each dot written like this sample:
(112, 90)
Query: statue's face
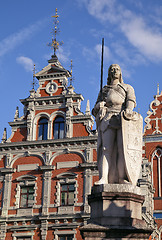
(115, 72)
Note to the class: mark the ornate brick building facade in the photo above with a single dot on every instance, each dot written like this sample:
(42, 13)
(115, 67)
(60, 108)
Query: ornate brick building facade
(48, 164)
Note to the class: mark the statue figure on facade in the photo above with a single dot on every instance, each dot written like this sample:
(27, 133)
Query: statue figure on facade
(119, 147)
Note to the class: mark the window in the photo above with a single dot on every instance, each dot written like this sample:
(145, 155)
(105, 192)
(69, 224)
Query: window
(42, 129)
(58, 128)
(23, 235)
(66, 237)
(26, 196)
(157, 166)
(25, 193)
(67, 194)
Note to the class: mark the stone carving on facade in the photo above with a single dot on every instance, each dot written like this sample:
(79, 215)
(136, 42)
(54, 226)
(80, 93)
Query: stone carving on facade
(4, 137)
(16, 114)
(30, 117)
(147, 190)
(152, 112)
(119, 150)
(8, 160)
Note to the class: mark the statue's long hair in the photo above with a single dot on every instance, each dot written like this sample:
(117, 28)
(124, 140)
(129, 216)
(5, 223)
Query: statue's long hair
(109, 77)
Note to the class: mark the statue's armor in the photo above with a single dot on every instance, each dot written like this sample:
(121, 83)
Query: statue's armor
(115, 98)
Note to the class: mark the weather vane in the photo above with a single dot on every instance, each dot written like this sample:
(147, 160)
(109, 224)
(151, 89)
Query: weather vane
(71, 71)
(55, 30)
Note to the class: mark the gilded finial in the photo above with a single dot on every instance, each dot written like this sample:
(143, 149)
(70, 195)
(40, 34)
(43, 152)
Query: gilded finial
(55, 30)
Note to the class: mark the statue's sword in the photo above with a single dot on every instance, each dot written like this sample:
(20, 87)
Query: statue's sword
(101, 83)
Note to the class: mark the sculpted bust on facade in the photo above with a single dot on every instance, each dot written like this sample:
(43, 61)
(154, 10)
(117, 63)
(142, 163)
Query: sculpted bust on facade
(115, 102)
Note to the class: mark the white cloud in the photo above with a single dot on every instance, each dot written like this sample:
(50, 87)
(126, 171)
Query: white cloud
(103, 10)
(17, 38)
(135, 28)
(26, 62)
(88, 53)
(120, 49)
(63, 55)
(91, 53)
(142, 37)
(107, 54)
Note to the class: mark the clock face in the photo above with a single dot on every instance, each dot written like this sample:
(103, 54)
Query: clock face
(51, 87)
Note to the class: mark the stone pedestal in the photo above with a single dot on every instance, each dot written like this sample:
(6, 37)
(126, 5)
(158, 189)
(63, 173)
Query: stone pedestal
(116, 213)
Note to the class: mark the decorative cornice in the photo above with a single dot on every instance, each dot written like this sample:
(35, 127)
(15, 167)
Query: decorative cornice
(41, 98)
(47, 168)
(22, 228)
(153, 138)
(21, 123)
(7, 170)
(25, 145)
(81, 118)
(56, 97)
(92, 165)
(66, 225)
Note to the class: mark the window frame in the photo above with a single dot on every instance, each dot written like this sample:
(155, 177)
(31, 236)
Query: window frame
(22, 238)
(26, 194)
(66, 178)
(68, 191)
(19, 235)
(55, 123)
(44, 135)
(58, 233)
(65, 236)
(25, 181)
(157, 157)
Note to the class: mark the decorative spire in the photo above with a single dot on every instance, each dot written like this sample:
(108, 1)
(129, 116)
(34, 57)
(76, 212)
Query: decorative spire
(16, 114)
(4, 137)
(34, 83)
(158, 89)
(55, 30)
(71, 71)
(88, 112)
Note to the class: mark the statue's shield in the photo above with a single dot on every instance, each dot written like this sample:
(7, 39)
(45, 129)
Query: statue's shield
(132, 145)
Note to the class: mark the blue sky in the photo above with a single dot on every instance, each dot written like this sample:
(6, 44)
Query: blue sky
(133, 39)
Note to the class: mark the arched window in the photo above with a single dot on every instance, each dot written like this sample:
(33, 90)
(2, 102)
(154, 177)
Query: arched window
(157, 175)
(42, 128)
(58, 128)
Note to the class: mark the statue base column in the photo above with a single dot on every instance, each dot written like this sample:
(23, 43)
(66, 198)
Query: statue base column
(116, 213)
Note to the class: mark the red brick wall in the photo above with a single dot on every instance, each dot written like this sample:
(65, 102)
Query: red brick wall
(36, 173)
(20, 135)
(43, 92)
(79, 130)
(78, 171)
